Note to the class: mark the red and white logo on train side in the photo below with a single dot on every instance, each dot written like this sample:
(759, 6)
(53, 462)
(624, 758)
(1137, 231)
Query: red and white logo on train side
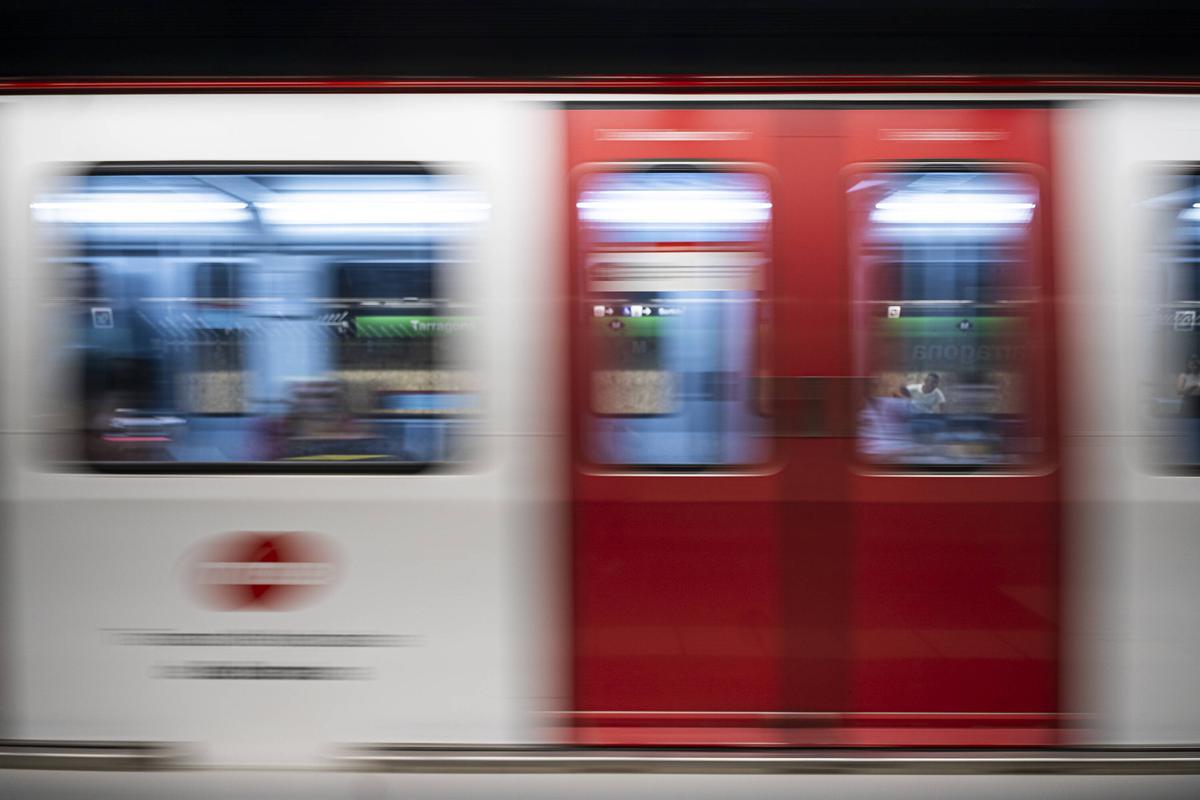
(266, 571)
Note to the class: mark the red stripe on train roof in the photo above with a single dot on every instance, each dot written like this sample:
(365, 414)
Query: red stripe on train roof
(620, 83)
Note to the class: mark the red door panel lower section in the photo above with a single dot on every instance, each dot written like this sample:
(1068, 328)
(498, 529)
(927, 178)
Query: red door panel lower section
(677, 610)
(955, 621)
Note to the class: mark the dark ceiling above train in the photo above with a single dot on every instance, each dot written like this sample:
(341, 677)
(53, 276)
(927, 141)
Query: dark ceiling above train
(218, 38)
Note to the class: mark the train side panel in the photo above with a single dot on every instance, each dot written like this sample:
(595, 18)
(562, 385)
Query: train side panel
(436, 589)
(1133, 547)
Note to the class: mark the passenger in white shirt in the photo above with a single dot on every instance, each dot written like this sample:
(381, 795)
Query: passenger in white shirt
(1188, 387)
(927, 398)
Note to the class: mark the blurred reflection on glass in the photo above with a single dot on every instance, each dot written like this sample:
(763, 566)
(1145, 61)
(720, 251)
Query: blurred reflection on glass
(1171, 390)
(942, 270)
(674, 262)
(284, 317)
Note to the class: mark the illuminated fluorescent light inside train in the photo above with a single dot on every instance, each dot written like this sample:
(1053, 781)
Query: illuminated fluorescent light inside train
(133, 208)
(375, 208)
(324, 209)
(942, 208)
(679, 207)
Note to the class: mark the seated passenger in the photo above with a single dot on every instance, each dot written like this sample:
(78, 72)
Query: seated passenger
(320, 424)
(926, 397)
(1188, 388)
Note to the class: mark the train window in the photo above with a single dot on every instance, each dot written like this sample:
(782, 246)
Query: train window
(216, 283)
(1171, 388)
(674, 262)
(943, 278)
(299, 320)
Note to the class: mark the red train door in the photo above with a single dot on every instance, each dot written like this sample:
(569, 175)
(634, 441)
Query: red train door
(676, 482)
(781, 535)
(954, 485)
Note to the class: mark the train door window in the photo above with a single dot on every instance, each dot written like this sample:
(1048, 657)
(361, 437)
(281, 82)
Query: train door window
(301, 319)
(1171, 385)
(944, 274)
(674, 262)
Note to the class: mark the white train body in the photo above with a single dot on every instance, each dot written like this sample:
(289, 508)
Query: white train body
(441, 608)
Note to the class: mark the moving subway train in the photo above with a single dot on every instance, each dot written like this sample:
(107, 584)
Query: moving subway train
(757, 420)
